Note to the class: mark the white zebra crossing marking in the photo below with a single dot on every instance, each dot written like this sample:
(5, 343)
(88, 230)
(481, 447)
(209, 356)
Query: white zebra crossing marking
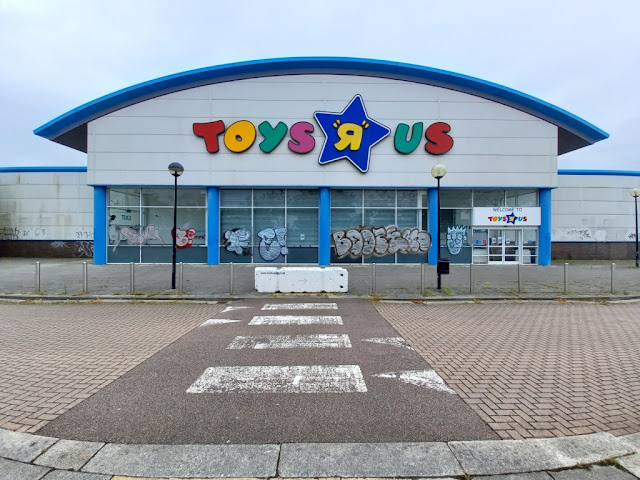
(281, 379)
(259, 342)
(297, 320)
(421, 378)
(300, 306)
(393, 341)
(218, 321)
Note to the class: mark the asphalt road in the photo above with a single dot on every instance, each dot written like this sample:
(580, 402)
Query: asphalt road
(166, 399)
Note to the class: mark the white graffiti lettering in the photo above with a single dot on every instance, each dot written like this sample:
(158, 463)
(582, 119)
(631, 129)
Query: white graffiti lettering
(380, 241)
(273, 243)
(132, 237)
(237, 240)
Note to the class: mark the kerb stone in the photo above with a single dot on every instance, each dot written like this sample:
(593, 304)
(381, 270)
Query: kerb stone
(23, 447)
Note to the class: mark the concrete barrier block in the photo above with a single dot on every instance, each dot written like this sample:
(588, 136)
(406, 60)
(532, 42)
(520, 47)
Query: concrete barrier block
(301, 279)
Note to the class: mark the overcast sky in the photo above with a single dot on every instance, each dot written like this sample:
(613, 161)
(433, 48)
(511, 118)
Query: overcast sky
(580, 55)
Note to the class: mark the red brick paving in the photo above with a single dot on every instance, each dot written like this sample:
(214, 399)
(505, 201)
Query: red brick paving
(539, 369)
(50, 361)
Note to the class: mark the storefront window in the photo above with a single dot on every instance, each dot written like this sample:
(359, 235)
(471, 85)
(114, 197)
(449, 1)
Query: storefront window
(141, 223)
(269, 226)
(366, 222)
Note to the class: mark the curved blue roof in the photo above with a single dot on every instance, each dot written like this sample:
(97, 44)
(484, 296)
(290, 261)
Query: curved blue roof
(70, 129)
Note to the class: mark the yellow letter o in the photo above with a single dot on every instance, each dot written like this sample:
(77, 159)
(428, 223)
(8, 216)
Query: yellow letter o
(240, 136)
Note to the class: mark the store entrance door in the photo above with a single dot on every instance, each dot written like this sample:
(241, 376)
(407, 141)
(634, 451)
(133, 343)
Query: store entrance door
(505, 245)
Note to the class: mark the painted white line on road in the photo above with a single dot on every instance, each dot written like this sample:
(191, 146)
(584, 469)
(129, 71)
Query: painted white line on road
(421, 378)
(393, 341)
(231, 308)
(297, 320)
(300, 306)
(260, 342)
(281, 379)
(218, 321)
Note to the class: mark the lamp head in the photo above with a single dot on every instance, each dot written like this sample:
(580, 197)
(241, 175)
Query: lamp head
(635, 192)
(438, 171)
(175, 169)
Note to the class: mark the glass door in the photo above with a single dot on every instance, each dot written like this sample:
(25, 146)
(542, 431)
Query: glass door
(505, 245)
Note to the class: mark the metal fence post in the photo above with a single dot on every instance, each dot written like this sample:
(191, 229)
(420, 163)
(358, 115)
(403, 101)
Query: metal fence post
(231, 278)
(373, 278)
(566, 278)
(422, 279)
(519, 278)
(472, 279)
(132, 277)
(181, 278)
(37, 277)
(613, 277)
(85, 287)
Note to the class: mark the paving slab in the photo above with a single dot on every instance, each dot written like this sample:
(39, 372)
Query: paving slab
(592, 473)
(67, 475)
(68, 454)
(23, 446)
(517, 476)
(631, 463)
(12, 470)
(186, 460)
(519, 456)
(367, 460)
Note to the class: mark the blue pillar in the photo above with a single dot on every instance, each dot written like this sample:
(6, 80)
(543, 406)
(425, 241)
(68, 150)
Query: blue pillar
(544, 257)
(432, 199)
(213, 225)
(324, 226)
(99, 225)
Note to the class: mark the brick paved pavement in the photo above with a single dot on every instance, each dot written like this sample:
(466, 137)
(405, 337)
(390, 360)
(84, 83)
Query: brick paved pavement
(537, 369)
(49, 362)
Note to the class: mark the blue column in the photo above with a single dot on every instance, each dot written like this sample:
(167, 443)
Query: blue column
(432, 199)
(213, 225)
(544, 234)
(324, 226)
(99, 225)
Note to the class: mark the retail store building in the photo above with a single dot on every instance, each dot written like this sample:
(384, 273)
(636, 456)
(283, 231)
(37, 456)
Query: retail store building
(325, 161)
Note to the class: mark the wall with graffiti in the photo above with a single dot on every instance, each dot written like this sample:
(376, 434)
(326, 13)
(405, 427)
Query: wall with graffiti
(380, 241)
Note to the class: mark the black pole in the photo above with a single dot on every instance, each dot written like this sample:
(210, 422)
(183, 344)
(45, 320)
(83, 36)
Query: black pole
(175, 233)
(636, 231)
(438, 235)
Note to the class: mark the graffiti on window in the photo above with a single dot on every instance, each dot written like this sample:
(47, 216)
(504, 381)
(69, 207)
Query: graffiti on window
(380, 241)
(184, 238)
(117, 234)
(456, 237)
(273, 243)
(237, 241)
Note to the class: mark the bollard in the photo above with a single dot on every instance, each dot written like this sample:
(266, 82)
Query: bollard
(566, 278)
(472, 279)
(613, 277)
(519, 278)
(37, 277)
(180, 277)
(422, 279)
(132, 277)
(231, 278)
(85, 287)
(373, 278)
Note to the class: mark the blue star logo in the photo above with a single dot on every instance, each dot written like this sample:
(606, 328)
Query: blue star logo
(350, 134)
(511, 218)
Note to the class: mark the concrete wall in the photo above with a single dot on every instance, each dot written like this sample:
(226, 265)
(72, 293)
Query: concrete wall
(495, 145)
(46, 213)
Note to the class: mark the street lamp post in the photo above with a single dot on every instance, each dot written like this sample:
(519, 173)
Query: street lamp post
(438, 171)
(176, 170)
(635, 193)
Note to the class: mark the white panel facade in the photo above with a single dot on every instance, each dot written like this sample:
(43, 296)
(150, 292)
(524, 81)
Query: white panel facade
(45, 206)
(594, 208)
(494, 145)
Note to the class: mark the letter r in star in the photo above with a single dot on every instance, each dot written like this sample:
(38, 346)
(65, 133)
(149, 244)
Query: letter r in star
(350, 134)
